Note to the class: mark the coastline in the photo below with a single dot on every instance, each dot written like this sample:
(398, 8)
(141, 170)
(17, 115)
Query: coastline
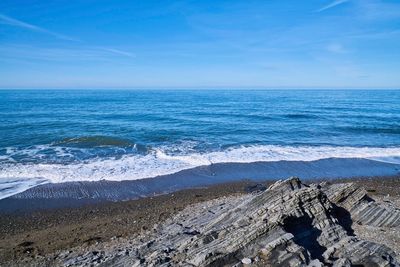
(48, 218)
(44, 232)
(75, 194)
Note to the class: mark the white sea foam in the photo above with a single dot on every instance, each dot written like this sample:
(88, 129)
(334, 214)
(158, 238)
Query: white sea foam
(12, 186)
(158, 162)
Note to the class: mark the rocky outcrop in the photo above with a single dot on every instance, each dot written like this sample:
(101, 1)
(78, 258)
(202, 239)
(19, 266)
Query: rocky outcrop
(364, 210)
(374, 220)
(289, 224)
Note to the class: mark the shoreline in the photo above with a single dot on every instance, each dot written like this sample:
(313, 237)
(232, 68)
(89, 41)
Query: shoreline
(75, 194)
(48, 231)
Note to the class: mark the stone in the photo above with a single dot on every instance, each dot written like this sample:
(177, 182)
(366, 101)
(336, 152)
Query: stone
(246, 261)
(289, 224)
(255, 188)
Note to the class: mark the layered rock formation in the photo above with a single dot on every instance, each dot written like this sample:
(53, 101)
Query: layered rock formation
(289, 224)
(363, 209)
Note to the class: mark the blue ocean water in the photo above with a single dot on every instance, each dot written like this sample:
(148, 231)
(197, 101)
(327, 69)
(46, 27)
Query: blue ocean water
(73, 135)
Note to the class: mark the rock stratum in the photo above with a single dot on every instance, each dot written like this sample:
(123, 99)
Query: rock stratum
(288, 224)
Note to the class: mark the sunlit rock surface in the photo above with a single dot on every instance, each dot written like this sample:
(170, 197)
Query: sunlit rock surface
(289, 224)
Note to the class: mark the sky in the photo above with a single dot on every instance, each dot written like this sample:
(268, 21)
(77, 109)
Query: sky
(199, 44)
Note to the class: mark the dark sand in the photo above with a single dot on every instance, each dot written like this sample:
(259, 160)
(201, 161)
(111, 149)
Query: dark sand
(47, 231)
(74, 194)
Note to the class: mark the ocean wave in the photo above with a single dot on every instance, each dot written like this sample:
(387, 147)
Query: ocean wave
(95, 141)
(300, 116)
(70, 150)
(161, 162)
(389, 129)
(12, 186)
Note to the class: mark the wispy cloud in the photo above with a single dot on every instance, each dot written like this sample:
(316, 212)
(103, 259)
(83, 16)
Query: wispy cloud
(118, 52)
(336, 48)
(18, 23)
(332, 4)
(378, 10)
(21, 24)
(61, 54)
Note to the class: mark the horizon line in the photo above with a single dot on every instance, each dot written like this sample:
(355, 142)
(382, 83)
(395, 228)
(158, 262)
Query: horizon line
(209, 88)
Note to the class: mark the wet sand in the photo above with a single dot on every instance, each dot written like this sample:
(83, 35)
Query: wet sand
(78, 193)
(44, 232)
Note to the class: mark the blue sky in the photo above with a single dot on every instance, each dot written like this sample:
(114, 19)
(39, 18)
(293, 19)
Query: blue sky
(200, 44)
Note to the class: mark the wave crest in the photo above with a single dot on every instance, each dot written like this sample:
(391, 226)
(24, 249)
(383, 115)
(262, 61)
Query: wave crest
(95, 141)
(159, 162)
(162, 161)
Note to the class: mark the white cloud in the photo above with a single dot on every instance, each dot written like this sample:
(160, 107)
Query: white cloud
(332, 4)
(18, 23)
(118, 52)
(378, 10)
(21, 24)
(336, 48)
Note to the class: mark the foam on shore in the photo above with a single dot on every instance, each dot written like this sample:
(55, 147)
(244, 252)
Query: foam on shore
(18, 177)
(56, 195)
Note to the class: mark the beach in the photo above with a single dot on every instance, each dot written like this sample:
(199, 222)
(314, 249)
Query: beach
(34, 235)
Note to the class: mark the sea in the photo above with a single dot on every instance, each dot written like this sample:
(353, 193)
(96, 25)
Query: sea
(56, 136)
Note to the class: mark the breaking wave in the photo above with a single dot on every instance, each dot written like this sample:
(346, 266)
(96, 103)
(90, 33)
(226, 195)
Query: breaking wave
(161, 161)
